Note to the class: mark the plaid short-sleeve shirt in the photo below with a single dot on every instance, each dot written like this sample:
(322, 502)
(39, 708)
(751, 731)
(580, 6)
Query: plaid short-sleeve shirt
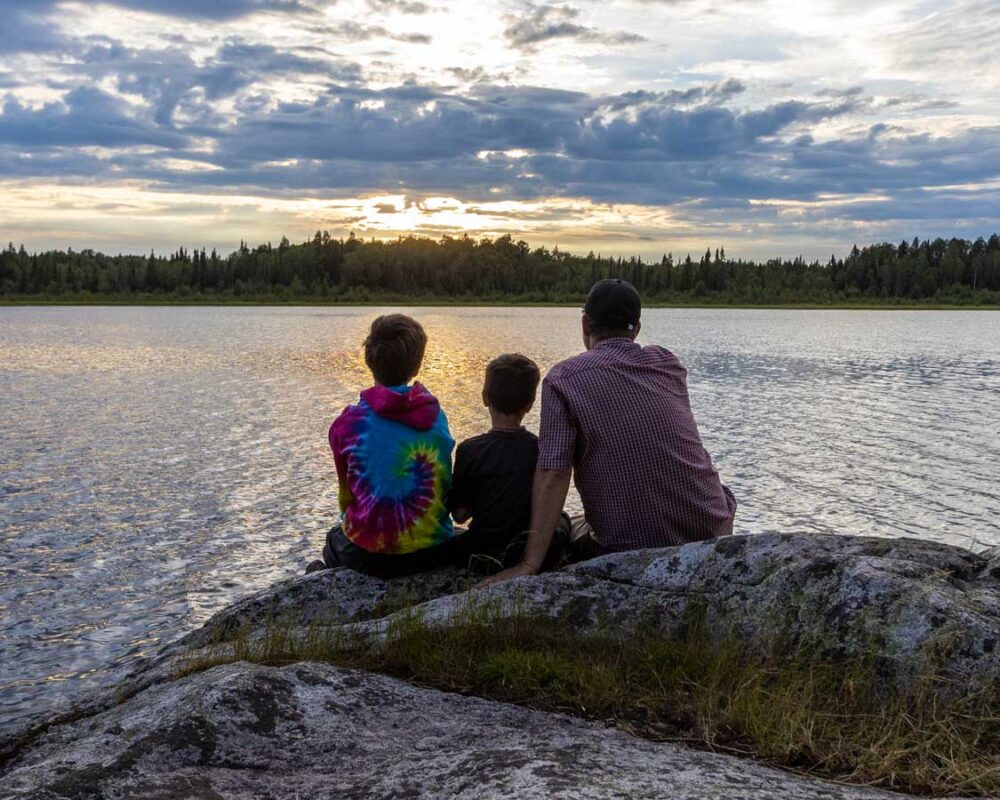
(619, 415)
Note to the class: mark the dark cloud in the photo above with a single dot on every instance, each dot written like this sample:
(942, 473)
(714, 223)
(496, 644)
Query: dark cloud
(169, 78)
(212, 9)
(918, 102)
(352, 31)
(85, 117)
(544, 23)
(28, 27)
(403, 6)
(190, 9)
(712, 94)
(708, 149)
(851, 91)
(684, 148)
(648, 148)
(27, 30)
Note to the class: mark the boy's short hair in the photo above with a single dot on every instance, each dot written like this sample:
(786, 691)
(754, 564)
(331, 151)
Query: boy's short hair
(395, 348)
(511, 383)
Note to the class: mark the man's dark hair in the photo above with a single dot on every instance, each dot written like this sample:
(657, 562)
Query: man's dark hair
(511, 383)
(613, 308)
(395, 348)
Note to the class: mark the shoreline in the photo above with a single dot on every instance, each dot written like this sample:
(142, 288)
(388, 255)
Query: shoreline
(485, 303)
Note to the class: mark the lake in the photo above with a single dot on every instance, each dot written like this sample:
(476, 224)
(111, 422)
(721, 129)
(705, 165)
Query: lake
(158, 462)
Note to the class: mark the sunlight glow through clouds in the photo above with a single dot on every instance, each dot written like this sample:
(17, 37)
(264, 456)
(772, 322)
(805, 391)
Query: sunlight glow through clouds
(636, 126)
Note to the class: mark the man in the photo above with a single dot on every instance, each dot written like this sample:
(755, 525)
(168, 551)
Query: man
(618, 416)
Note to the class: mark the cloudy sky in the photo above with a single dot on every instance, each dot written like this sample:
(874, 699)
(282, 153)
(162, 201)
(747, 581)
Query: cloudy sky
(772, 127)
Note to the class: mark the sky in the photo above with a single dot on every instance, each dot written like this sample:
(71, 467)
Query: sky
(633, 127)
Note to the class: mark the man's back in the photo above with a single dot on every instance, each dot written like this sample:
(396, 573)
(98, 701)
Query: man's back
(619, 414)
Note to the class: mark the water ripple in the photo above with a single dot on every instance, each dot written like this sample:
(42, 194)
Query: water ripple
(158, 462)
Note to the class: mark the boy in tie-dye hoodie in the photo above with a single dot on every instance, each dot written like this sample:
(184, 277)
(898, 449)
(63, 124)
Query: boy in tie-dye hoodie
(392, 450)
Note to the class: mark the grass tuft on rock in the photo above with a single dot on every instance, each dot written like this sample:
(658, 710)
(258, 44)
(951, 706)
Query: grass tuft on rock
(829, 718)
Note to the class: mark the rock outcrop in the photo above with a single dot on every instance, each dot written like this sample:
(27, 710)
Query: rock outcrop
(917, 606)
(311, 730)
(249, 731)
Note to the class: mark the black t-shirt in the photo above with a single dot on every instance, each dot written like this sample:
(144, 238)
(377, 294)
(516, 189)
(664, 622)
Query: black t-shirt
(492, 478)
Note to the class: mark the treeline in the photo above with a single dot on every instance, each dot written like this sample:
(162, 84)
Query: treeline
(502, 269)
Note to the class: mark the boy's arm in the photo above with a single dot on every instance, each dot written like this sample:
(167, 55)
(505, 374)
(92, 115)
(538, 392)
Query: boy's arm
(344, 495)
(458, 495)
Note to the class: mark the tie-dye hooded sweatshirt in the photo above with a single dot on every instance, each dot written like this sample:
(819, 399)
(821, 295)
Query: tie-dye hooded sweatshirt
(393, 456)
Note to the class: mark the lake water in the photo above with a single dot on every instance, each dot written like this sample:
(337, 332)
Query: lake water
(156, 463)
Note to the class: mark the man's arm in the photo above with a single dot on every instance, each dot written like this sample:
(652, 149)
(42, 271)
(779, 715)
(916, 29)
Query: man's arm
(548, 495)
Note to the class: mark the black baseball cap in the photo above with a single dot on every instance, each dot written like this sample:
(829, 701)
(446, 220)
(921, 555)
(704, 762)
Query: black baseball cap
(613, 304)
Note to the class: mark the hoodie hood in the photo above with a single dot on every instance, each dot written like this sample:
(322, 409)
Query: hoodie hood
(414, 407)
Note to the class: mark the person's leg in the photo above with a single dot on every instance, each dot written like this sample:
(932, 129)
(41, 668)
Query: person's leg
(583, 544)
(342, 552)
(329, 560)
(447, 554)
(334, 542)
(480, 555)
(559, 548)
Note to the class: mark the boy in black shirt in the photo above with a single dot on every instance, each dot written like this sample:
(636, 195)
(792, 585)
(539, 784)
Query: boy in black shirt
(494, 472)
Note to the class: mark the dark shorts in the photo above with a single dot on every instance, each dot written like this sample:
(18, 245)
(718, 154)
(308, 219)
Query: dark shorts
(487, 555)
(340, 551)
(573, 541)
(582, 543)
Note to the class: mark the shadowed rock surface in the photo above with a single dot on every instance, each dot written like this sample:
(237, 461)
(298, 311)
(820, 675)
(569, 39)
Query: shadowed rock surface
(307, 729)
(328, 597)
(312, 730)
(916, 606)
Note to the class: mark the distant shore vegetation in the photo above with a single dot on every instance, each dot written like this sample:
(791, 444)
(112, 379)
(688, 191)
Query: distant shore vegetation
(939, 272)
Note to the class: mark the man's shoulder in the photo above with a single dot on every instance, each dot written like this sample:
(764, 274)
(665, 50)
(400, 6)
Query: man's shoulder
(598, 358)
(660, 353)
(571, 366)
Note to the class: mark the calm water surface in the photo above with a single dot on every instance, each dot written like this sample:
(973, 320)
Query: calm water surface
(156, 463)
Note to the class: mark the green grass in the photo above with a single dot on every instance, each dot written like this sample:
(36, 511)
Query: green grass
(833, 719)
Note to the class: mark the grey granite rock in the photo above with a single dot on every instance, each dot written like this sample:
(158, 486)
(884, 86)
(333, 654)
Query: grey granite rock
(310, 730)
(917, 607)
(307, 730)
(333, 596)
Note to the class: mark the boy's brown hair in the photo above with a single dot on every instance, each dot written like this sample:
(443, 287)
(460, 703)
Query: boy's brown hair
(395, 348)
(511, 383)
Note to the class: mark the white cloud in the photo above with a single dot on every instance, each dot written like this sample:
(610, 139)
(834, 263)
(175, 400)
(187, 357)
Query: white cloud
(879, 102)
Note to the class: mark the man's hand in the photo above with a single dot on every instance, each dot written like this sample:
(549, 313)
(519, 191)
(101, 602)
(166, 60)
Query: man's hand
(506, 575)
(547, 498)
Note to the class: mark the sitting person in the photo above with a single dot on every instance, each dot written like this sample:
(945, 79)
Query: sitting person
(618, 420)
(494, 472)
(393, 456)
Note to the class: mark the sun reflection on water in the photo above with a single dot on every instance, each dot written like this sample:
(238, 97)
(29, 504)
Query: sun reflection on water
(158, 462)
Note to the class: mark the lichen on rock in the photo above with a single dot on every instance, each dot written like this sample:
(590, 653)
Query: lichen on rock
(916, 607)
(314, 730)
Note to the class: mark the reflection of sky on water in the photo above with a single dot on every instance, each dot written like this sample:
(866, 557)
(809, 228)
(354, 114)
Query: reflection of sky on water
(157, 462)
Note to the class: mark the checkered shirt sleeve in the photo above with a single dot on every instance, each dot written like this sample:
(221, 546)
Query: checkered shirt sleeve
(556, 433)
